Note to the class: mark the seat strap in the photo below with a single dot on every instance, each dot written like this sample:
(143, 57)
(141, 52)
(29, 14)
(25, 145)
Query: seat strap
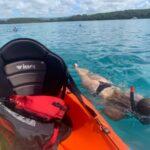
(53, 138)
(7, 131)
(74, 89)
(63, 91)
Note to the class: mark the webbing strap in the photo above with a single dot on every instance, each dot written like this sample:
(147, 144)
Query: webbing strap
(53, 138)
(74, 89)
(6, 131)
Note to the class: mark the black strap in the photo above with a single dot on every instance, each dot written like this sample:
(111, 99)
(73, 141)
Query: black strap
(74, 89)
(63, 91)
(133, 105)
(102, 86)
(64, 87)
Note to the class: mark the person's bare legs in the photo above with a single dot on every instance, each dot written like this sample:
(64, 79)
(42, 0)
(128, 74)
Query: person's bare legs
(87, 82)
(92, 76)
(92, 81)
(114, 100)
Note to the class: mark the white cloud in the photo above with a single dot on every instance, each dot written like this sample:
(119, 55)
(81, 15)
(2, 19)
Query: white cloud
(55, 8)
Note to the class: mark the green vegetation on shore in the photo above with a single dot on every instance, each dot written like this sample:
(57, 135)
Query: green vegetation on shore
(127, 14)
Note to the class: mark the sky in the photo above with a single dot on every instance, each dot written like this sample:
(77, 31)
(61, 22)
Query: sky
(60, 8)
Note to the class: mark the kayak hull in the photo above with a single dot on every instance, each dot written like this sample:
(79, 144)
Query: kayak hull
(89, 132)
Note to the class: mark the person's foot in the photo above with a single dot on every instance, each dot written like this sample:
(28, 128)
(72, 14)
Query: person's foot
(75, 65)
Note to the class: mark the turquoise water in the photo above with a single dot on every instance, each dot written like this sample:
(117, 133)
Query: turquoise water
(118, 50)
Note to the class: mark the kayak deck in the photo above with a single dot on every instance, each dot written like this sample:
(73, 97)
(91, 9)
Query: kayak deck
(87, 132)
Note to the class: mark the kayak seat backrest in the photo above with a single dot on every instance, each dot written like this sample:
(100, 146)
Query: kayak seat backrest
(29, 68)
(26, 77)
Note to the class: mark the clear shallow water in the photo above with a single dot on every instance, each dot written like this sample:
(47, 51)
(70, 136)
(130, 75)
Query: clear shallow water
(118, 50)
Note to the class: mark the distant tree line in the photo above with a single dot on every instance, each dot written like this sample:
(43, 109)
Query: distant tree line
(127, 14)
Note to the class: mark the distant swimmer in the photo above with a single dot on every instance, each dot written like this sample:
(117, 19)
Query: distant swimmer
(15, 29)
(117, 104)
(80, 25)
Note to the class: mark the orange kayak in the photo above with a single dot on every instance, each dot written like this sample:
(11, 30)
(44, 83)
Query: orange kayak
(31, 69)
(89, 132)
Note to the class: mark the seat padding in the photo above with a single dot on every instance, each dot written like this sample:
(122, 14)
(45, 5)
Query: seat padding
(24, 66)
(15, 52)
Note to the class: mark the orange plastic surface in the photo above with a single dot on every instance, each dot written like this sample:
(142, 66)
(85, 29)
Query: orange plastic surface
(87, 133)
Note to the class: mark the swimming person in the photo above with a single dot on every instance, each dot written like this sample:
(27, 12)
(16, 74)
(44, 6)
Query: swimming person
(15, 29)
(117, 103)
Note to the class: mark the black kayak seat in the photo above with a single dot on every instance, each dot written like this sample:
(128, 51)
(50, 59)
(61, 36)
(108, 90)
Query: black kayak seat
(26, 77)
(29, 68)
